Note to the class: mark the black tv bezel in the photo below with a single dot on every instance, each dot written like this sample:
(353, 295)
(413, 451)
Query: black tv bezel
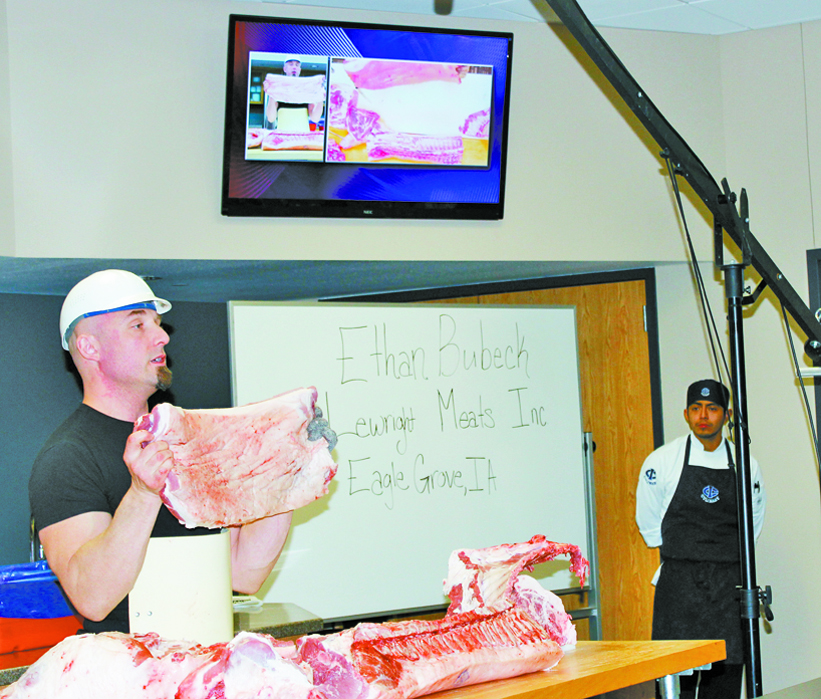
(350, 208)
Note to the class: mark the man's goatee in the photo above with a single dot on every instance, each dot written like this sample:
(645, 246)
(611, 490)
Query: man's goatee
(164, 377)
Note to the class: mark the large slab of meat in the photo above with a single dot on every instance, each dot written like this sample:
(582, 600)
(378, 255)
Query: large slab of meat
(400, 660)
(236, 465)
(278, 140)
(395, 660)
(106, 665)
(496, 627)
(488, 579)
(441, 150)
(378, 74)
(295, 90)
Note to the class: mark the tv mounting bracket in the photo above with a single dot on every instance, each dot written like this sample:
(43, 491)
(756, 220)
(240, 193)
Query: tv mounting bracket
(721, 202)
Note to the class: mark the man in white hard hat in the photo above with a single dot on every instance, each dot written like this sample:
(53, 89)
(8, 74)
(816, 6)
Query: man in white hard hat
(94, 491)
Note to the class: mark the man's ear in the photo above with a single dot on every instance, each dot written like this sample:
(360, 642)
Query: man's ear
(728, 415)
(87, 347)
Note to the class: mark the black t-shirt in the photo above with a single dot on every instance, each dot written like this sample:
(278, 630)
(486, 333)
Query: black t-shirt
(81, 469)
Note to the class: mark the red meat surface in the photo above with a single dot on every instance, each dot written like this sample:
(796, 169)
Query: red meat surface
(236, 465)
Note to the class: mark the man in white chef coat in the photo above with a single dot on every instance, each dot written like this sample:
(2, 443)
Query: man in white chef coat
(686, 505)
(94, 488)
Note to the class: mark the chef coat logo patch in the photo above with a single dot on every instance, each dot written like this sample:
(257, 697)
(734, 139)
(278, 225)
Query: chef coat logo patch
(709, 494)
(650, 476)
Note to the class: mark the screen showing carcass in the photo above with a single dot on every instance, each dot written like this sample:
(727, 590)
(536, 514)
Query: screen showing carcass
(361, 120)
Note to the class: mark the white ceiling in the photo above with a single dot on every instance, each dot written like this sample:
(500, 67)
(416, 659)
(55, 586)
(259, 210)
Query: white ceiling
(689, 16)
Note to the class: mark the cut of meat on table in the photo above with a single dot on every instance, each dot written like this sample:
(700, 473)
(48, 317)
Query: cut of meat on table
(499, 625)
(331, 666)
(109, 666)
(504, 634)
(545, 608)
(343, 97)
(477, 125)
(484, 578)
(360, 123)
(236, 465)
(400, 660)
(278, 140)
(250, 665)
(254, 137)
(441, 150)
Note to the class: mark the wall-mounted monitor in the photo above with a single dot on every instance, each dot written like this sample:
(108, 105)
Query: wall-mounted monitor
(337, 119)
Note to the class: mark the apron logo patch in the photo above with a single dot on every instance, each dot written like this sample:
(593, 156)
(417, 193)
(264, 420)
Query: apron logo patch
(650, 476)
(709, 494)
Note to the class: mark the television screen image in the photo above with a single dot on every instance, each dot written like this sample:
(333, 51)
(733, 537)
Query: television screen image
(372, 121)
(286, 106)
(412, 112)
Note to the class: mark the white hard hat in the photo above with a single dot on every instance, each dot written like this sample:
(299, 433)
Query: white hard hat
(292, 58)
(104, 292)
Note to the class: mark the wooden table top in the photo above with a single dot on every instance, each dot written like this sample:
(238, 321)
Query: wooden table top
(596, 667)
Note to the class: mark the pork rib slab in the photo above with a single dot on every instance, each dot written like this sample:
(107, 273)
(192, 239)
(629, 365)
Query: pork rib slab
(401, 660)
(236, 465)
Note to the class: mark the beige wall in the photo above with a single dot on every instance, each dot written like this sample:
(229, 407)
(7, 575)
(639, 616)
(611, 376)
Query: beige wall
(116, 114)
(6, 181)
(118, 111)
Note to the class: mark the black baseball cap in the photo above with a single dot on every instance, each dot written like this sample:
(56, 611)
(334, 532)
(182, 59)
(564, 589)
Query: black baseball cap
(710, 390)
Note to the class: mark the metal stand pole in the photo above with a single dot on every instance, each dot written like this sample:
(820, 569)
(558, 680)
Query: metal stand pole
(734, 282)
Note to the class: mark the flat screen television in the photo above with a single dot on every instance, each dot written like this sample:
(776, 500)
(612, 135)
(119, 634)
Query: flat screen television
(342, 119)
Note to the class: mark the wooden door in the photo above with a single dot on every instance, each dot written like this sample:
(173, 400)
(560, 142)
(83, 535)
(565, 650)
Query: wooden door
(617, 410)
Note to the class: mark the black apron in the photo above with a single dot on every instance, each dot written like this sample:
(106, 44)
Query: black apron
(696, 594)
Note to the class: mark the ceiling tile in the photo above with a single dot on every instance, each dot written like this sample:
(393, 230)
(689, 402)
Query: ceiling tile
(682, 18)
(757, 14)
(602, 9)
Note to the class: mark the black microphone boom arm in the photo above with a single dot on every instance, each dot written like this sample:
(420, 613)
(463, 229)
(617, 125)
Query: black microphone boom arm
(719, 200)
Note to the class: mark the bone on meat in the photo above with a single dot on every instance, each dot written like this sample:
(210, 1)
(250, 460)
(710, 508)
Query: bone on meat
(250, 665)
(476, 125)
(484, 578)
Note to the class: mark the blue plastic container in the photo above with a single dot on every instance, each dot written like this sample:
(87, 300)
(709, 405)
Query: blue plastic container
(30, 591)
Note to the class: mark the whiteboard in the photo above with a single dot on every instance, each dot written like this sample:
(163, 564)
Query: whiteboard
(459, 427)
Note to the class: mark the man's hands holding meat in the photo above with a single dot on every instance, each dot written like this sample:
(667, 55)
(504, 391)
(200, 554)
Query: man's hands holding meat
(149, 462)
